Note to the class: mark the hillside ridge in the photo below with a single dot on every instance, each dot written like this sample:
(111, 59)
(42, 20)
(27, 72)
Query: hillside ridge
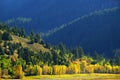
(97, 13)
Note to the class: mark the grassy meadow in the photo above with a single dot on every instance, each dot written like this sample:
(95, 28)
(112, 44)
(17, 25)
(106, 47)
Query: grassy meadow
(76, 77)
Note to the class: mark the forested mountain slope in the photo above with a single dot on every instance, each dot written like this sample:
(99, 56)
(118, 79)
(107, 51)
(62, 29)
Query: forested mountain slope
(95, 31)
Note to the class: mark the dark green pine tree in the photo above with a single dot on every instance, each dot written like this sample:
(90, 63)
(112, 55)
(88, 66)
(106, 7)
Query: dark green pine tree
(0, 37)
(78, 52)
(37, 38)
(32, 35)
(117, 57)
(6, 36)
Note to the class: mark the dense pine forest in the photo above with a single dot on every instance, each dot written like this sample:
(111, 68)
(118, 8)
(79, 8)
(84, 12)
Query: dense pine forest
(29, 55)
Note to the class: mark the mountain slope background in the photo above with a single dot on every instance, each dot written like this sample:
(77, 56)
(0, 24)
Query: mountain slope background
(92, 33)
(98, 31)
(47, 14)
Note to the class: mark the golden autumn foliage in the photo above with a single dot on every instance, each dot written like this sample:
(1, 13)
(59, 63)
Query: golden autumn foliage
(116, 69)
(99, 69)
(0, 73)
(5, 73)
(39, 70)
(18, 72)
(59, 69)
(83, 65)
(47, 70)
(35, 70)
(28, 69)
(108, 68)
(90, 69)
(74, 68)
(56, 70)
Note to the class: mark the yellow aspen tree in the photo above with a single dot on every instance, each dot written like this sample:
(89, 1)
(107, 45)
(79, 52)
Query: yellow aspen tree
(90, 69)
(119, 69)
(73, 68)
(55, 70)
(108, 68)
(50, 70)
(83, 65)
(100, 69)
(63, 69)
(5, 73)
(47, 70)
(70, 69)
(0, 73)
(38, 70)
(18, 72)
(96, 68)
(59, 69)
(28, 69)
(116, 69)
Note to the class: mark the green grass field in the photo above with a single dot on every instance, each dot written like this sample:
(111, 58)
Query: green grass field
(76, 77)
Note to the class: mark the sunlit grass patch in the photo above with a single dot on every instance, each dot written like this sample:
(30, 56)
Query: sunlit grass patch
(76, 76)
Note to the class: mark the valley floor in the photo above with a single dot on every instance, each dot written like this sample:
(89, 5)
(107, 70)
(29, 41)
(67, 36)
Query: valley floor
(76, 77)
